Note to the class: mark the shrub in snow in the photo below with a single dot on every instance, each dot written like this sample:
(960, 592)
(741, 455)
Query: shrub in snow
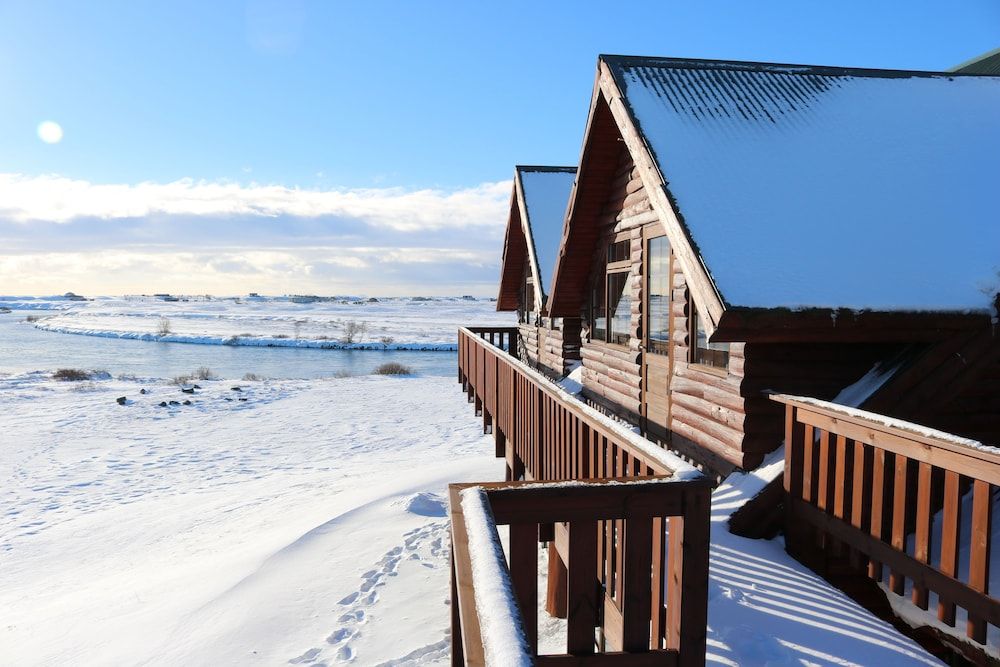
(202, 373)
(393, 368)
(163, 327)
(354, 331)
(71, 375)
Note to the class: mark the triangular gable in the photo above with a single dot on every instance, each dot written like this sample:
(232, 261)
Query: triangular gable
(515, 256)
(534, 230)
(609, 124)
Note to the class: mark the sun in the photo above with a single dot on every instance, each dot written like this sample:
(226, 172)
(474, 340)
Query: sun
(50, 132)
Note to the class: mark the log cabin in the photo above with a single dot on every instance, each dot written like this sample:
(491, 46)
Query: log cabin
(737, 229)
(761, 255)
(534, 232)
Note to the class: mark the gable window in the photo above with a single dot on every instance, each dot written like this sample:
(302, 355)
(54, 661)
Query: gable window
(611, 295)
(527, 314)
(703, 352)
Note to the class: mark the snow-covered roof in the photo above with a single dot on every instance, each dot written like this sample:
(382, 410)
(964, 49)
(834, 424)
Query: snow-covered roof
(546, 193)
(827, 187)
(986, 63)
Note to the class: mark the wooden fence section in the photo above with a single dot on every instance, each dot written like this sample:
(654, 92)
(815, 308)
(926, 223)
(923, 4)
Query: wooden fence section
(869, 493)
(524, 506)
(545, 434)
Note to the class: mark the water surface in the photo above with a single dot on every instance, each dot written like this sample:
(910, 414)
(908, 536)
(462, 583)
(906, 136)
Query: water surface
(24, 348)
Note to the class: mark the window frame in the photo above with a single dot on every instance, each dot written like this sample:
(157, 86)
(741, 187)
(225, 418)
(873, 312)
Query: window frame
(530, 303)
(694, 358)
(660, 348)
(609, 269)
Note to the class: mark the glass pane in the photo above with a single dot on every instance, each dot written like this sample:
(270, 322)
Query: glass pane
(598, 319)
(658, 318)
(618, 252)
(709, 354)
(620, 306)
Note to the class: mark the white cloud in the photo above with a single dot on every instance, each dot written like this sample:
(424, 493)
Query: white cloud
(59, 199)
(59, 234)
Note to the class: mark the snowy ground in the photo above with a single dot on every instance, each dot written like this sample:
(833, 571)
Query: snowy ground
(304, 525)
(386, 323)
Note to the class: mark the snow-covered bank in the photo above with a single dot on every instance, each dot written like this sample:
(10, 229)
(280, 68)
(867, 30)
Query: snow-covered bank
(249, 340)
(353, 324)
(304, 524)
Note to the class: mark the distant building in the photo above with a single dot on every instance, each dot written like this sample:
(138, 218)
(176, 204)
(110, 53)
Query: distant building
(531, 245)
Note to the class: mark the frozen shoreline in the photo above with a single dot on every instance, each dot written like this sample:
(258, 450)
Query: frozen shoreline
(387, 324)
(249, 341)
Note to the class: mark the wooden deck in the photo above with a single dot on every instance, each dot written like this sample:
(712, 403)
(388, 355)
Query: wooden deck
(639, 594)
(863, 492)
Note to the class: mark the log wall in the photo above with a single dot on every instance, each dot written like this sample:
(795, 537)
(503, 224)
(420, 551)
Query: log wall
(551, 346)
(974, 412)
(612, 375)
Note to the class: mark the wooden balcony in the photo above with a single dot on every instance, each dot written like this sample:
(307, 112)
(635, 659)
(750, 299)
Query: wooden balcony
(908, 507)
(628, 540)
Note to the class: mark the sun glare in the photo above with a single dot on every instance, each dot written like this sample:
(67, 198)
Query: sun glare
(50, 132)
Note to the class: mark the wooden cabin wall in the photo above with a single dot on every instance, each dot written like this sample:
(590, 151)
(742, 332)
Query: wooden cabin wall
(611, 373)
(954, 386)
(707, 410)
(818, 370)
(544, 345)
(548, 347)
(974, 411)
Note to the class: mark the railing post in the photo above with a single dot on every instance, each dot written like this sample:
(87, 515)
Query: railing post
(580, 594)
(691, 631)
(793, 477)
(457, 653)
(979, 557)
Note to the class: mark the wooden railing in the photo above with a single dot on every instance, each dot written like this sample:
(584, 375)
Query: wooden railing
(524, 506)
(546, 434)
(892, 498)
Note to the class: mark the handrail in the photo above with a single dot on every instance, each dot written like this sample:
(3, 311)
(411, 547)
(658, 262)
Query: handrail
(866, 488)
(545, 433)
(486, 590)
(642, 457)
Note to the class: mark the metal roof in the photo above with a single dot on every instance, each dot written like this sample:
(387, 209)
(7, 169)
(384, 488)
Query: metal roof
(814, 186)
(987, 63)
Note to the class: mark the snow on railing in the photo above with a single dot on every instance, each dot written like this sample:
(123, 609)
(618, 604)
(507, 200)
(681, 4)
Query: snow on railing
(495, 599)
(909, 506)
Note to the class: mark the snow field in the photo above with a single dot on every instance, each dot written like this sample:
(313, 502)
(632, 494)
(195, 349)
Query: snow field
(306, 523)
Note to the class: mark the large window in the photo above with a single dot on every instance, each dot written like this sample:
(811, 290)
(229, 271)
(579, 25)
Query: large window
(702, 351)
(611, 296)
(658, 295)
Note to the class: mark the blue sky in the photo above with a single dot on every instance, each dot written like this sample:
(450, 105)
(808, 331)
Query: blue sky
(400, 104)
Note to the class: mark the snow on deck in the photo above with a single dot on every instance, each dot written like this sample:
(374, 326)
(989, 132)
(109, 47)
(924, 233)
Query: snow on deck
(546, 195)
(817, 187)
(765, 608)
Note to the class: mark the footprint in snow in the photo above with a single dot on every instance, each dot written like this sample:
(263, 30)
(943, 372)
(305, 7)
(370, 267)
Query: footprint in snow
(308, 656)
